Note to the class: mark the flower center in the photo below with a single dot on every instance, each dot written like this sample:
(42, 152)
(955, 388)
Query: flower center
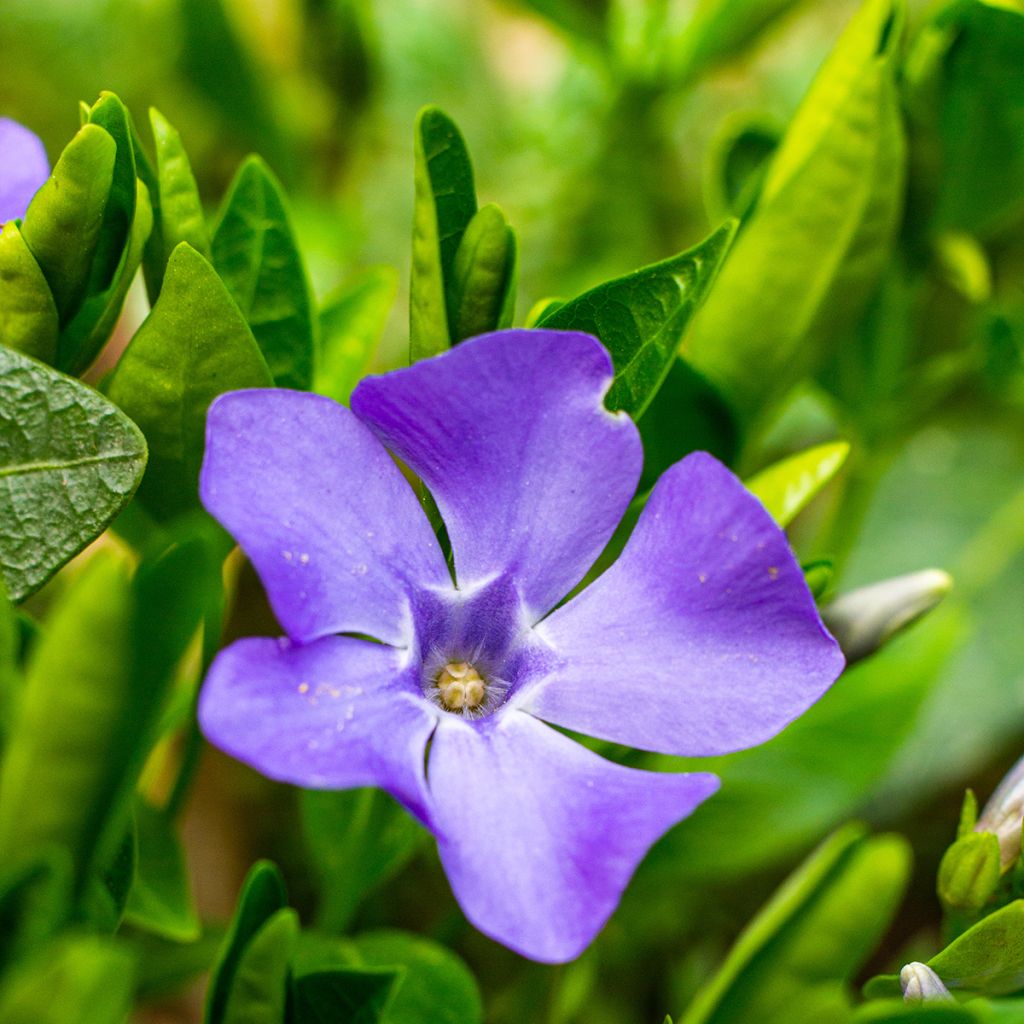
(460, 686)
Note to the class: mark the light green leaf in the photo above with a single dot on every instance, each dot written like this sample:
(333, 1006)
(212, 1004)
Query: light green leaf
(161, 900)
(641, 318)
(793, 960)
(69, 462)
(810, 254)
(351, 324)
(257, 256)
(28, 316)
(358, 838)
(483, 275)
(259, 985)
(445, 204)
(194, 345)
(786, 487)
(63, 223)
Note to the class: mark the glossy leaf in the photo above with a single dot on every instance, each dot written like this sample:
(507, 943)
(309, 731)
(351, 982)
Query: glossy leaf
(262, 896)
(811, 252)
(257, 256)
(351, 324)
(193, 346)
(259, 984)
(642, 317)
(483, 275)
(28, 316)
(69, 462)
(63, 223)
(445, 203)
(358, 839)
(793, 960)
(786, 487)
(161, 899)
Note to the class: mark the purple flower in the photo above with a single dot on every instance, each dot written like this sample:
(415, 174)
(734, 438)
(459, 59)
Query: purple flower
(701, 639)
(24, 169)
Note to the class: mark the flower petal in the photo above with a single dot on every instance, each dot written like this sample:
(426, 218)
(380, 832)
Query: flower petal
(323, 512)
(701, 639)
(25, 168)
(509, 431)
(539, 836)
(333, 714)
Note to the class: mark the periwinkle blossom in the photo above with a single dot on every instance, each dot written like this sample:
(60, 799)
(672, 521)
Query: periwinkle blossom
(23, 169)
(702, 638)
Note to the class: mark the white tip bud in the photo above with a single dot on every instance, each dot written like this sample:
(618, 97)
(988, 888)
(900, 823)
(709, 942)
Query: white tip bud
(1004, 814)
(863, 620)
(921, 984)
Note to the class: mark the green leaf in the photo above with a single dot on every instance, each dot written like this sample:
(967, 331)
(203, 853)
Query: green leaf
(812, 251)
(444, 206)
(897, 1011)
(969, 872)
(81, 980)
(262, 896)
(739, 158)
(352, 996)
(351, 324)
(90, 329)
(483, 275)
(357, 839)
(180, 212)
(161, 899)
(69, 460)
(257, 256)
(166, 967)
(194, 345)
(106, 893)
(35, 900)
(259, 984)
(641, 318)
(793, 960)
(786, 487)
(436, 985)
(28, 316)
(63, 223)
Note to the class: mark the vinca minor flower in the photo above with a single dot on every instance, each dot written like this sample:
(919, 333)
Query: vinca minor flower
(23, 169)
(702, 638)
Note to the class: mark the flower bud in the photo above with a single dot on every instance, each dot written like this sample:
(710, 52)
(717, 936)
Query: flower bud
(863, 620)
(921, 984)
(1004, 814)
(969, 872)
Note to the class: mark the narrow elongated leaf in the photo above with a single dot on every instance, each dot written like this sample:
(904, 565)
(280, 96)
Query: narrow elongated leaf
(28, 316)
(63, 223)
(444, 205)
(787, 486)
(794, 958)
(256, 254)
(806, 261)
(351, 325)
(194, 345)
(358, 838)
(69, 462)
(259, 986)
(641, 318)
(483, 275)
(262, 896)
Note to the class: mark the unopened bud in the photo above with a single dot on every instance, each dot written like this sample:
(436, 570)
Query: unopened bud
(921, 984)
(863, 620)
(1004, 814)
(969, 872)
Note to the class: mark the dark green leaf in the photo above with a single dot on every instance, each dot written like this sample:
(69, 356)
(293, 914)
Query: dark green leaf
(641, 318)
(349, 996)
(257, 256)
(737, 164)
(28, 316)
(35, 900)
(194, 345)
(259, 984)
(351, 324)
(444, 206)
(106, 893)
(483, 275)
(161, 898)
(63, 222)
(358, 839)
(262, 896)
(69, 462)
